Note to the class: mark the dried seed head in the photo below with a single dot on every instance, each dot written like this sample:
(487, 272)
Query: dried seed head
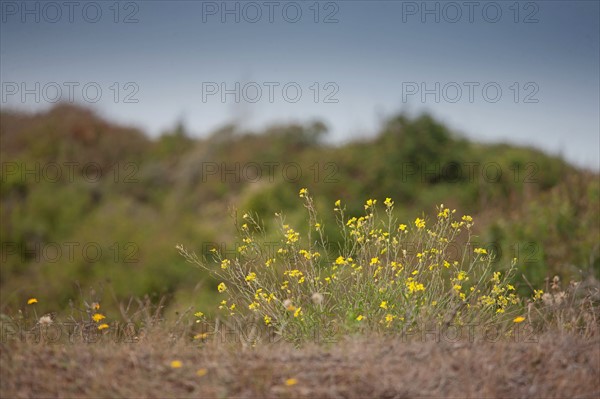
(547, 299)
(560, 297)
(317, 298)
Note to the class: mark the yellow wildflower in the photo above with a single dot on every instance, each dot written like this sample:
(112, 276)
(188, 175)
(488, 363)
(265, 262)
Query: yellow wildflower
(97, 317)
(291, 381)
(389, 318)
(201, 372)
(292, 236)
(31, 301)
(295, 273)
(419, 223)
(176, 364)
(496, 277)
(370, 203)
(413, 286)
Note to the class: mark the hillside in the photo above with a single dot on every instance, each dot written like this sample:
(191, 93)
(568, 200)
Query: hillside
(90, 205)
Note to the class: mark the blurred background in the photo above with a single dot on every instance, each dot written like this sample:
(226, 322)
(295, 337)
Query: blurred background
(129, 127)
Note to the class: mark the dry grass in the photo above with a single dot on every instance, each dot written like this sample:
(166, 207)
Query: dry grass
(555, 366)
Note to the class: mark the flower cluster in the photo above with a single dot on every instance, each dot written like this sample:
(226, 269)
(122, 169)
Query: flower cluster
(385, 275)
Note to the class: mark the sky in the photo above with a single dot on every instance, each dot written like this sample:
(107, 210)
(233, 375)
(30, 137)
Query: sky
(525, 72)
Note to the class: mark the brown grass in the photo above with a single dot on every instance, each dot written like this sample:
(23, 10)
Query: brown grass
(555, 366)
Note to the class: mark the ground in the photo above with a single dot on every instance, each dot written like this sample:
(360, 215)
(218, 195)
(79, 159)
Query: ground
(381, 367)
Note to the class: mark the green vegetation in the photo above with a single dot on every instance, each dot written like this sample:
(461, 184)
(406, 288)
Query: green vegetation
(85, 201)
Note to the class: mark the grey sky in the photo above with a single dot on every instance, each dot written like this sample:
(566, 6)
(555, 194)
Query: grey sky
(525, 72)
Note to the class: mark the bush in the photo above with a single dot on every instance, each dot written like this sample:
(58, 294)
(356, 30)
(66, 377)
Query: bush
(384, 276)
